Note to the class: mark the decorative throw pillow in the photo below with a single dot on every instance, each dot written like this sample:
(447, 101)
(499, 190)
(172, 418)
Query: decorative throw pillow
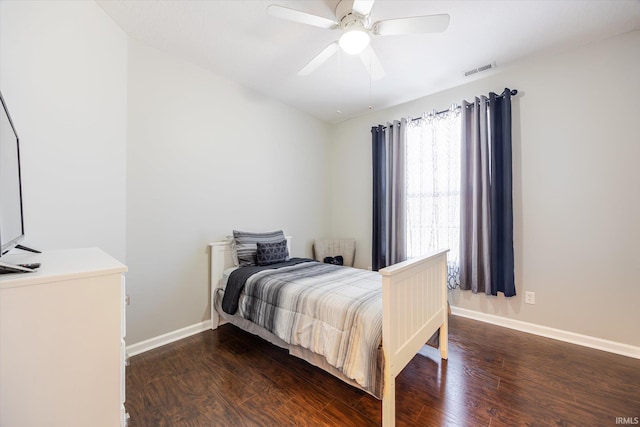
(271, 253)
(245, 245)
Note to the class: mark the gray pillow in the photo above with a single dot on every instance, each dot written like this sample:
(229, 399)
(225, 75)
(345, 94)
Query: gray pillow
(245, 245)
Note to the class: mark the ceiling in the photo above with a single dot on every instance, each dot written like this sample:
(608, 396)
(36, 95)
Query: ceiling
(238, 40)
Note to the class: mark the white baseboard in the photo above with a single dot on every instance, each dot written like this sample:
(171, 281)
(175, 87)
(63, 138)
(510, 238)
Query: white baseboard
(531, 328)
(167, 338)
(545, 331)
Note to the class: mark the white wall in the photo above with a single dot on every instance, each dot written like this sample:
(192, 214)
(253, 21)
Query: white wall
(576, 202)
(63, 75)
(206, 156)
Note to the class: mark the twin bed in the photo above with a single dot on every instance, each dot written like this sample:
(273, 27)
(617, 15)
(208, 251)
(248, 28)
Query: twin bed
(361, 326)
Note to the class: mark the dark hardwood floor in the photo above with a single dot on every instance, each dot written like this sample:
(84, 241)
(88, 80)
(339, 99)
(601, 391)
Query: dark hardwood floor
(494, 377)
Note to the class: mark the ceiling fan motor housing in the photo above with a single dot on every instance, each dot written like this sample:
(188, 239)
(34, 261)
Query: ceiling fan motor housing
(347, 18)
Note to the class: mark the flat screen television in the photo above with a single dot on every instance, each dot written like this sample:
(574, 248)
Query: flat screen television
(11, 213)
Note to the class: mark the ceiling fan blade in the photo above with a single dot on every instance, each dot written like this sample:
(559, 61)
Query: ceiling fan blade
(320, 58)
(363, 7)
(301, 17)
(372, 63)
(412, 25)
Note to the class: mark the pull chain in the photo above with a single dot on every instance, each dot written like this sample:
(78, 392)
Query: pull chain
(340, 91)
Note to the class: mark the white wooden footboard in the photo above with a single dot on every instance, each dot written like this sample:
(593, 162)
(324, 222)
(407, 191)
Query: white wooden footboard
(414, 306)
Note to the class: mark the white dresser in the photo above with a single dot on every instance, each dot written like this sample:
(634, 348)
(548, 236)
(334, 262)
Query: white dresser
(62, 351)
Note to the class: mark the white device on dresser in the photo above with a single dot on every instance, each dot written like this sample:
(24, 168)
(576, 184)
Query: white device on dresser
(62, 349)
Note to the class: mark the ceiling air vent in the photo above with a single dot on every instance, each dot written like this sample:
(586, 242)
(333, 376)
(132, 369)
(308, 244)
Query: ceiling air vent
(479, 69)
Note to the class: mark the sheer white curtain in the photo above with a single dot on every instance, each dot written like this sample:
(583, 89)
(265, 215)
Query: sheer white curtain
(433, 188)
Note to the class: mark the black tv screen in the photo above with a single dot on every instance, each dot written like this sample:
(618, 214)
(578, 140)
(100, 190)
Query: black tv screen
(11, 214)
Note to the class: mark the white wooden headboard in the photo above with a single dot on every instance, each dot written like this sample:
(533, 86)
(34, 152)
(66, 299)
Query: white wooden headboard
(221, 259)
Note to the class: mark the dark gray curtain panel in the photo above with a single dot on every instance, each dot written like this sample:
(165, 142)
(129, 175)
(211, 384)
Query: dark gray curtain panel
(379, 232)
(389, 194)
(486, 235)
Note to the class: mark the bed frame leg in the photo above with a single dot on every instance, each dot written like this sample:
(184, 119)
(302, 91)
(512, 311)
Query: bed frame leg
(444, 338)
(389, 402)
(215, 318)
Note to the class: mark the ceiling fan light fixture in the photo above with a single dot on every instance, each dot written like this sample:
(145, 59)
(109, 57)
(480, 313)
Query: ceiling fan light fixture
(354, 41)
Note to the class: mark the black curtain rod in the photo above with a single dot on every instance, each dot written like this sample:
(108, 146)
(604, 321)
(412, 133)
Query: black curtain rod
(513, 92)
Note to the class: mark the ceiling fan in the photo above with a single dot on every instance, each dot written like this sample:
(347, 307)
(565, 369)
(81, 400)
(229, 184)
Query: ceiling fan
(352, 19)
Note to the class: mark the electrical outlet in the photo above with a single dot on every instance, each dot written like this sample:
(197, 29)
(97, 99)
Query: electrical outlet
(530, 297)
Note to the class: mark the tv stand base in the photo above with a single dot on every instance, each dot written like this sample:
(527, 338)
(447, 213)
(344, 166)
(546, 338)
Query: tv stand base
(24, 248)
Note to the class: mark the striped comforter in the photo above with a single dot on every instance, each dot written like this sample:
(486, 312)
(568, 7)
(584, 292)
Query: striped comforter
(331, 310)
